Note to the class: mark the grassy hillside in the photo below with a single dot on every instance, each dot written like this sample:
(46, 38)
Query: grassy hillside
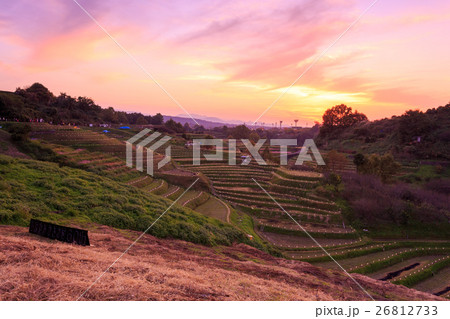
(34, 189)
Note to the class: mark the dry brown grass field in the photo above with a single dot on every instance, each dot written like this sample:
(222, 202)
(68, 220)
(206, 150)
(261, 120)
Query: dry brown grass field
(35, 268)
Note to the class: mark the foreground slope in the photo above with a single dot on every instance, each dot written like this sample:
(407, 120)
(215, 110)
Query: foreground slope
(35, 268)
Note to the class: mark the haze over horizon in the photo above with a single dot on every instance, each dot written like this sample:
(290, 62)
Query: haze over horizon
(232, 60)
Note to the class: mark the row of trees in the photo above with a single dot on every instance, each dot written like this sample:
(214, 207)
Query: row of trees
(37, 102)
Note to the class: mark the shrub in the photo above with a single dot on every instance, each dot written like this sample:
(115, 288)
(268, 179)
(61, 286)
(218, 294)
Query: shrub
(19, 132)
(359, 160)
(372, 201)
(333, 179)
(383, 166)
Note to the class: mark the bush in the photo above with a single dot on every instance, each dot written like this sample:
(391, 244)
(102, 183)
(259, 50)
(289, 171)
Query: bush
(384, 166)
(333, 179)
(372, 201)
(19, 132)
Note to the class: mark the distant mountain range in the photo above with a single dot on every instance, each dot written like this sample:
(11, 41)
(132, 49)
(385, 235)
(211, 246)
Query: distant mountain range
(211, 119)
(205, 121)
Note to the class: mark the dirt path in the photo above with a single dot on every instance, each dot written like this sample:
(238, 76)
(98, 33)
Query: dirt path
(228, 209)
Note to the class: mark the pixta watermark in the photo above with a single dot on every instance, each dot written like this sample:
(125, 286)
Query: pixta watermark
(307, 153)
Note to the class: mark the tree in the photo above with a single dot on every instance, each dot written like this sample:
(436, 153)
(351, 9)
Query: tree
(86, 104)
(19, 132)
(340, 116)
(240, 131)
(384, 166)
(37, 93)
(335, 161)
(186, 127)
(225, 130)
(199, 129)
(359, 160)
(122, 117)
(158, 119)
(141, 120)
(109, 115)
(388, 167)
(414, 123)
(174, 126)
(335, 180)
(254, 137)
(13, 107)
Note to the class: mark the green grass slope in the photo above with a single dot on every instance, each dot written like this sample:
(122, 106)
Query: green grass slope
(43, 190)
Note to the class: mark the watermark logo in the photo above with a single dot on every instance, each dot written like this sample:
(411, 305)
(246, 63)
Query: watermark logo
(307, 153)
(151, 148)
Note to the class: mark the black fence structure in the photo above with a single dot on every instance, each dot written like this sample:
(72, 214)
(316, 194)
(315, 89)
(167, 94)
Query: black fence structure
(61, 233)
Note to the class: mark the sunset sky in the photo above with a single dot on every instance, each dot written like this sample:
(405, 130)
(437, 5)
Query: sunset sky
(232, 59)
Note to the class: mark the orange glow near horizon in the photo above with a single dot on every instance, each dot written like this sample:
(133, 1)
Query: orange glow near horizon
(231, 60)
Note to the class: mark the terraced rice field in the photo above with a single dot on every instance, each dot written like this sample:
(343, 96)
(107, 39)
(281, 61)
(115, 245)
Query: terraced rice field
(236, 185)
(234, 188)
(173, 191)
(82, 139)
(293, 190)
(347, 251)
(413, 266)
(404, 268)
(356, 263)
(99, 162)
(437, 284)
(288, 242)
(91, 150)
(215, 208)
(347, 166)
(157, 187)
